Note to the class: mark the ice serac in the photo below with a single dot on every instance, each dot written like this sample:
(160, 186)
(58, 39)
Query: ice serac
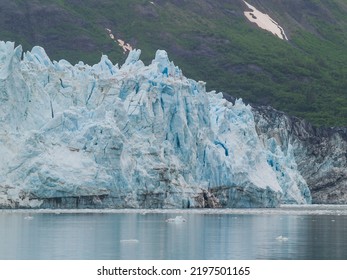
(132, 136)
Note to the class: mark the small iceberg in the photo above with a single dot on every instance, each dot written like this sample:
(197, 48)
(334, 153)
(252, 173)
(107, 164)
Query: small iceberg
(281, 238)
(133, 241)
(28, 217)
(177, 219)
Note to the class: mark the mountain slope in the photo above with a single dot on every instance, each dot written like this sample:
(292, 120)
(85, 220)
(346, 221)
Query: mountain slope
(211, 40)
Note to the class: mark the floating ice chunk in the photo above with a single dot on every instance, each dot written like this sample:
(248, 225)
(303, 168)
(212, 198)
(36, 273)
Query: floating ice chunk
(177, 219)
(281, 238)
(129, 241)
(28, 218)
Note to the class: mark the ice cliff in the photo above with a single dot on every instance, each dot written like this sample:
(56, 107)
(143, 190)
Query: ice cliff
(131, 136)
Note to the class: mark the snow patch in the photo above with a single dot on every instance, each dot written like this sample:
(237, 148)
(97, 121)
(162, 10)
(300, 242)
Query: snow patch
(264, 21)
(125, 46)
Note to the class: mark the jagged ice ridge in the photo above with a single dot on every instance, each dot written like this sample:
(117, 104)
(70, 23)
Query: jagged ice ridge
(134, 136)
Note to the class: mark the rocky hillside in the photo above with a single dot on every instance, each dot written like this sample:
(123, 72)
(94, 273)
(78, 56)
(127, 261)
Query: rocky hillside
(320, 153)
(211, 41)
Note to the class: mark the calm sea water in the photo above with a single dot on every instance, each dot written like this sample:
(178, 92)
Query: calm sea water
(315, 232)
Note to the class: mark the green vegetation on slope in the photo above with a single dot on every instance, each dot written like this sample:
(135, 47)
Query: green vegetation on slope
(210, 40)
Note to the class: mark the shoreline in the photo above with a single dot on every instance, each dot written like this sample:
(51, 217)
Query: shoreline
(312, 209)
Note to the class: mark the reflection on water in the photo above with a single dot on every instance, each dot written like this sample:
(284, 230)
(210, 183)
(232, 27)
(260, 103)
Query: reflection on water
(148, 236)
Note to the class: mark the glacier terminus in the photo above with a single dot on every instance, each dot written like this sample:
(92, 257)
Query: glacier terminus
(135, 136)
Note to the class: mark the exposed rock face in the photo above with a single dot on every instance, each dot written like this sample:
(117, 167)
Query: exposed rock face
(320, 153)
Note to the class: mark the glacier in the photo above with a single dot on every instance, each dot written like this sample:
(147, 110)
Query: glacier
(135, 136)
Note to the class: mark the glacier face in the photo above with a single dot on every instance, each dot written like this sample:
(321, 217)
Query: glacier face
(131, 136)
